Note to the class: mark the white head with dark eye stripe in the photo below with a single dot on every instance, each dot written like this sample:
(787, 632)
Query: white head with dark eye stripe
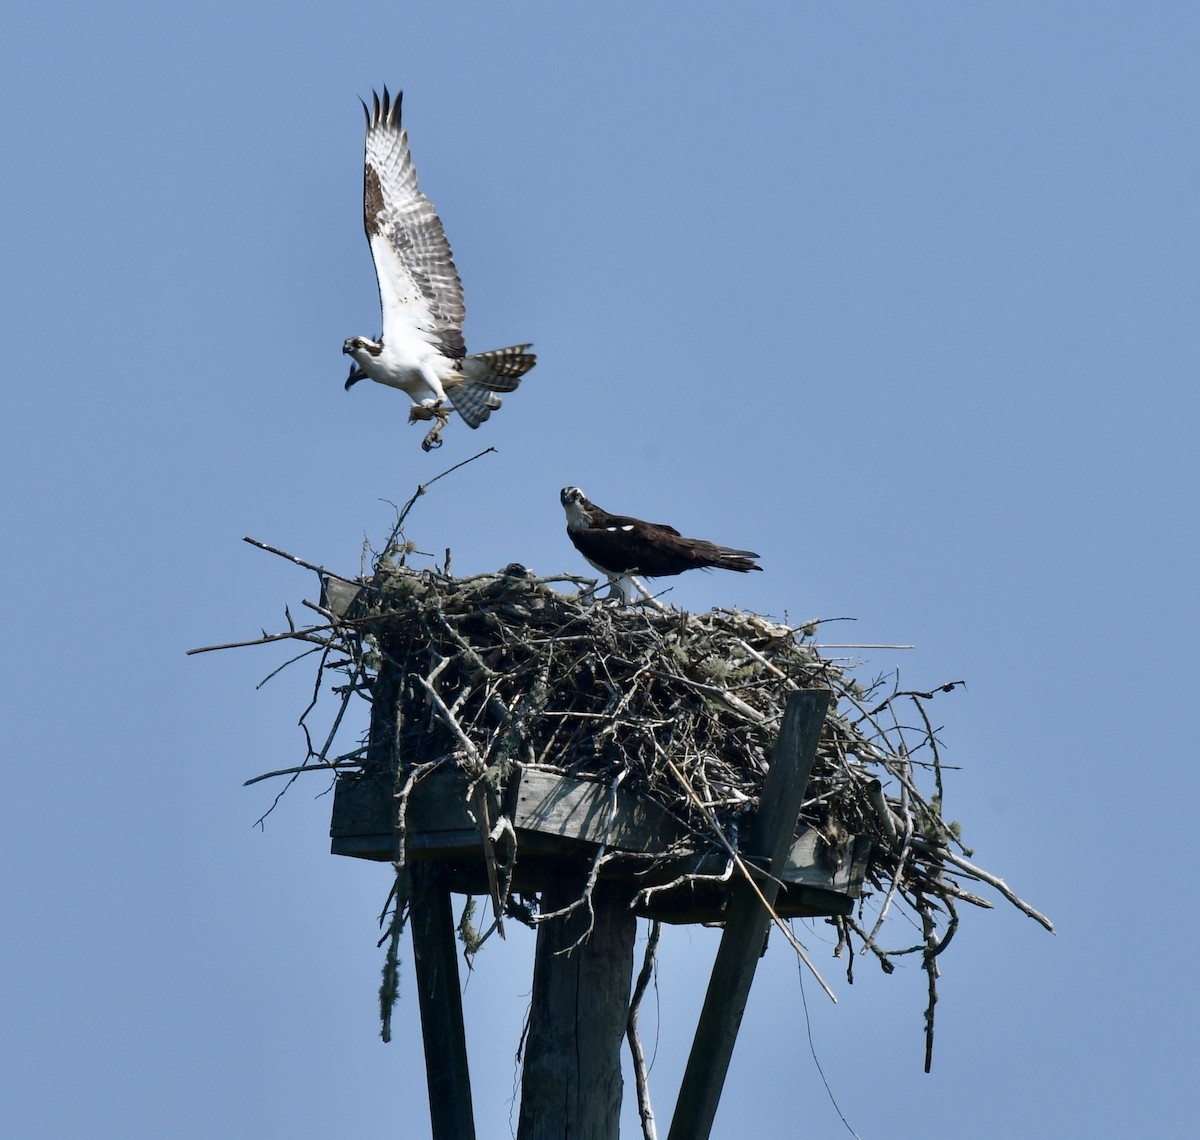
(575, 503)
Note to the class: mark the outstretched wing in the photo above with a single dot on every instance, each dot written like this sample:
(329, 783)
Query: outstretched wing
(419, 290)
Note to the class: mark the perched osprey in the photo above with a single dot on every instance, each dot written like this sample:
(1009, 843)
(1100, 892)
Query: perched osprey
(421, 349)
(620, 547)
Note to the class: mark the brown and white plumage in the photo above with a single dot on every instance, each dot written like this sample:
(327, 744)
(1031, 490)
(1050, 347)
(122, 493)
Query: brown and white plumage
(621, 547)
(421, 350)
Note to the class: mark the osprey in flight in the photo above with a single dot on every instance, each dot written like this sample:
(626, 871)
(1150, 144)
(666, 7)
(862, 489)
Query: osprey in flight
(620, 547)
(421, 349)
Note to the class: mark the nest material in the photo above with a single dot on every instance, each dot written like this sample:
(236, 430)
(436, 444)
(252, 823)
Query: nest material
(527, 673)
(503, 667)
(681, 708)
(499, 668)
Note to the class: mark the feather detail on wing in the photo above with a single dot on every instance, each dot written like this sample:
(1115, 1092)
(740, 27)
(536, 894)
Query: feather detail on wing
(419, 290)
(631, 546)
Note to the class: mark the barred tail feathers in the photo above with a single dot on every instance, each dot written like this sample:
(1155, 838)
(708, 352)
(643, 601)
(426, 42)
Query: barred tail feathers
(473, 402)
(501, 369)
(485, 374)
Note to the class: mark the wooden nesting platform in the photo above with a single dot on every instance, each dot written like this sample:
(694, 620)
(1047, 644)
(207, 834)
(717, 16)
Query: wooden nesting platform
(560, 822)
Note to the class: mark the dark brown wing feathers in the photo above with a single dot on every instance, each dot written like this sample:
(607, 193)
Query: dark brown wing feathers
(621, 544)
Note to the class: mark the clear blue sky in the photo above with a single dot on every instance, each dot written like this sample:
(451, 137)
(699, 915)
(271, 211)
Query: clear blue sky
(902, 296)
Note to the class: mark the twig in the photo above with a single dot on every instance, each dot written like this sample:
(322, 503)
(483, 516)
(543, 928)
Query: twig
(585, 899)
(983, 876)
(882, 812)
(290, 557)
(479, 793)
(640, 1076)
(397, 528)
(929, 960)
(885, 962)
(720, 694)
(647, 893)
(857, 645)
(647, 597)
(290, 661)
(332, 765)
(901, 861)
(451, 722)
(266, 639)
(928, 695)
(741, 866)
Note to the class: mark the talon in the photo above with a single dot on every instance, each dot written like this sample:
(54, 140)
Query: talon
(434, 438)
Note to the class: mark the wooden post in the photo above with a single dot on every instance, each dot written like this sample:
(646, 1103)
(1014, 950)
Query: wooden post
(747, 922)
(435, 957)
(571, 1080)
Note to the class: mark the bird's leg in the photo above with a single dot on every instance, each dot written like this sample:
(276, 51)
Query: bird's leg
(624, 587)
(440, 416)
(618, 589)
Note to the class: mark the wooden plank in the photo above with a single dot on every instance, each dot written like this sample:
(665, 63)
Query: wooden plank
(435, 959)
(553, 804)
(547, 803)
(747, 923)
(812, 902)
(809, 862)
(571, 1078)
(711, 905)
(439, 803)
(812, 862)
(340, 596)
(362, 805)
(378, 848)
(438, 819)
(551, 812)
(463, 844)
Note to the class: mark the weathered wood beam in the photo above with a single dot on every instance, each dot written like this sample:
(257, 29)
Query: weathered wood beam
(748, 922)
(553, 804)
(571, 1080)
(340, 596)
(435, 958)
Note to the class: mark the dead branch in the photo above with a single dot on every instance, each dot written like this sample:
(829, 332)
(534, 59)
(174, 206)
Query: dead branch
(741, 866)
(640, 1074)
(983, 876)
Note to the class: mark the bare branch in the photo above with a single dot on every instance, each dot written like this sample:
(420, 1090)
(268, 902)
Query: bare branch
(640, 1075)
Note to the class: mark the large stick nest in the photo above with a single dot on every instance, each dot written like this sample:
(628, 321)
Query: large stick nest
(504, 667)
(527, 673)
(507, 667)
